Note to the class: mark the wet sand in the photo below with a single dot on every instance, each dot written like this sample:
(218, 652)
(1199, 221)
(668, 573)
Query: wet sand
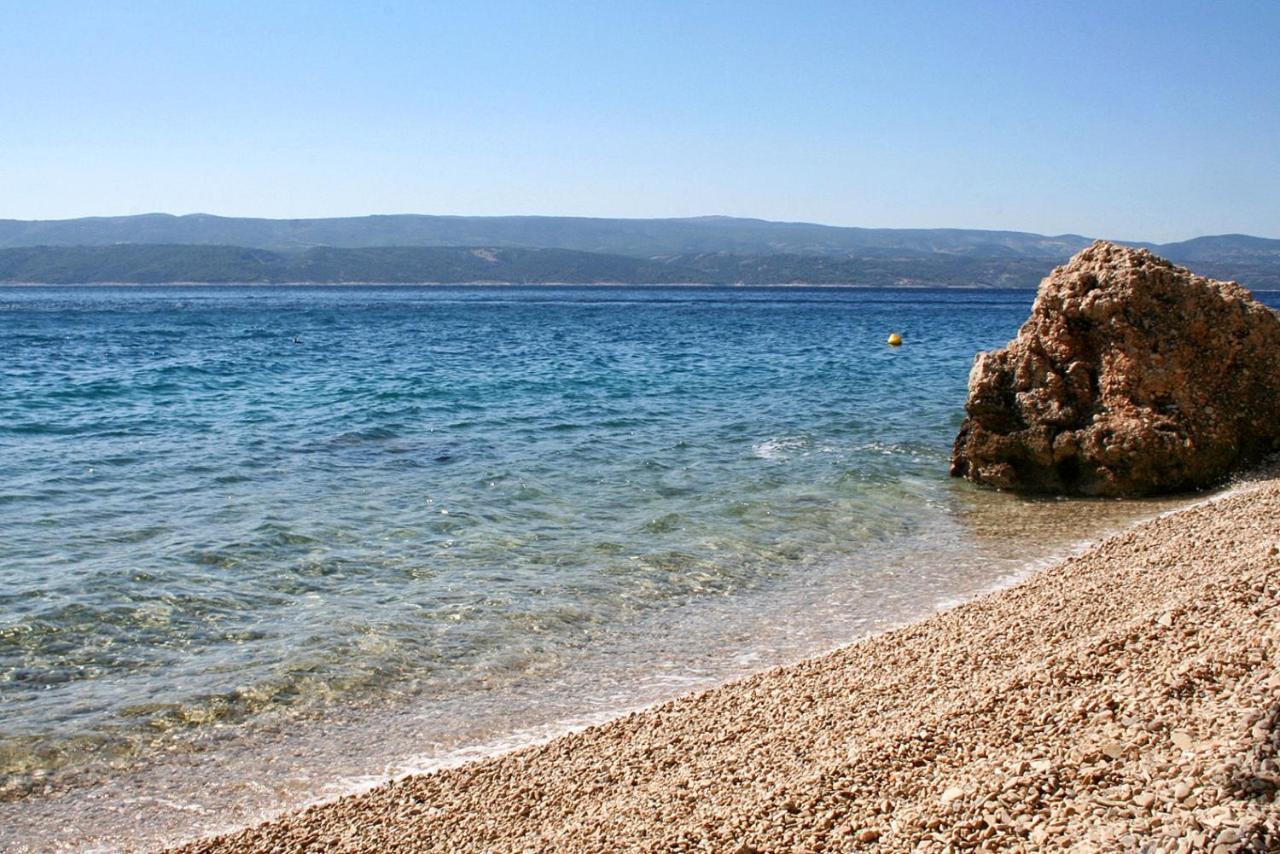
(1125, 699)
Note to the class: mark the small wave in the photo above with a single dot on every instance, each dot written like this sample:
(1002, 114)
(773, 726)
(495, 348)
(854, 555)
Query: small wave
(916, 450)
(781, 448)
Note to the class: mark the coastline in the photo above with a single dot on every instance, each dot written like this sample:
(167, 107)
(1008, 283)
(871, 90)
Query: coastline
(1075, 706)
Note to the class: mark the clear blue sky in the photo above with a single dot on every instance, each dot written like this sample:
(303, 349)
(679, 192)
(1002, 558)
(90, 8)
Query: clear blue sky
(1142, 120)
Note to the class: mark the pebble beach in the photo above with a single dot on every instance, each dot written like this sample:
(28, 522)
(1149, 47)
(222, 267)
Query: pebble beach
(1126, 699)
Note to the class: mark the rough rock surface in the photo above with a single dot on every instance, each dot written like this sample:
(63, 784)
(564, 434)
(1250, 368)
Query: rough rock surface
(1126, 700)
(1131, 377)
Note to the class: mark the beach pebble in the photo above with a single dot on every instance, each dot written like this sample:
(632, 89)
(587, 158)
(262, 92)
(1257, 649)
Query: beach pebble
(1228, 836)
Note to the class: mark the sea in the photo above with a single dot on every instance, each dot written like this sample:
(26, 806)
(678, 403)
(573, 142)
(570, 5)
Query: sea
(266, 545)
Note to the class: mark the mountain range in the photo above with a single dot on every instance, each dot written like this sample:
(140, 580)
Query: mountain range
(417, 248)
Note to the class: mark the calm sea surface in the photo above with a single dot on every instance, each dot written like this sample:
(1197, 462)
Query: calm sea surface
(261, 545)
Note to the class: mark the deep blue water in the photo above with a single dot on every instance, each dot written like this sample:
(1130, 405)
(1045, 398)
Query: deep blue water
(220, 504)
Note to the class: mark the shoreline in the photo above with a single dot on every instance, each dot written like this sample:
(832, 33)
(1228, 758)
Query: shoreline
(311, 763)
(526, 797)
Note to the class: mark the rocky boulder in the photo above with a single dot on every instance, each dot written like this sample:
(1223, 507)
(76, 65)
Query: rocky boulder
(1131, 377)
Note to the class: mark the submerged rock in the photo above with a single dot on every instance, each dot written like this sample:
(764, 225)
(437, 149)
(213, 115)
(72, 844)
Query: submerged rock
(1131, 377)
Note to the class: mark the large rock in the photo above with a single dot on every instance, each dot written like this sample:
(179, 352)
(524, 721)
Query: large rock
(1131, 377)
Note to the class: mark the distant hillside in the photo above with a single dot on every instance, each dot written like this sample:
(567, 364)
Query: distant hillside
(1223, 248)
(411, 248)
(225, 264)
(637, 237)
(141, 263)
(1254, 261)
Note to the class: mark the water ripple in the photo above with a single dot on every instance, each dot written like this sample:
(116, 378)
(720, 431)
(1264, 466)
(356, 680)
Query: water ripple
(223, 505)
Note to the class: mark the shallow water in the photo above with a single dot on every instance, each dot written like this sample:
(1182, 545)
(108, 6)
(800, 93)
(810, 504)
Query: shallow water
(262, 545)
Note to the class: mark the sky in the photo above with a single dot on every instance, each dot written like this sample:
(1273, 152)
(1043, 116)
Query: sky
(1132, 120)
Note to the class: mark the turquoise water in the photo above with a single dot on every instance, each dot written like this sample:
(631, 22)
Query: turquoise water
(236, 518)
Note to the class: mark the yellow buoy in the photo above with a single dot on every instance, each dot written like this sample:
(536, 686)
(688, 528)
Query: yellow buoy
(895, 340)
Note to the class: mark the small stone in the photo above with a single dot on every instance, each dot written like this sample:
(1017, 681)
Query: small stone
(1181, 739)
(1113, 750)
(868, 834)
(1145, 800)
(951, 793)
(1166, 619)
(1182, 791)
